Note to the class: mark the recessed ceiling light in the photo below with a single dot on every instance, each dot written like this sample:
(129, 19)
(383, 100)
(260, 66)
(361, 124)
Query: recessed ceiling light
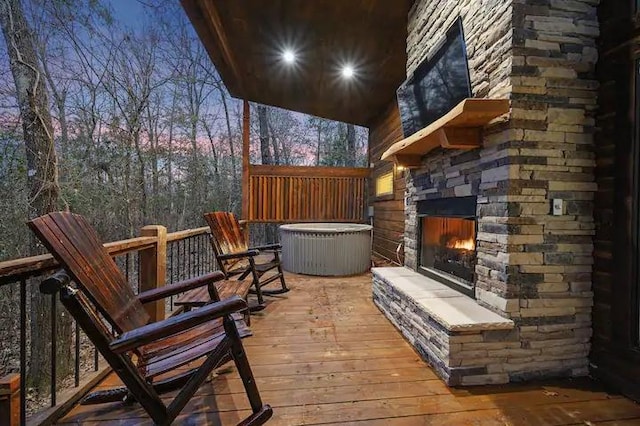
(289, 56)
(347, 71)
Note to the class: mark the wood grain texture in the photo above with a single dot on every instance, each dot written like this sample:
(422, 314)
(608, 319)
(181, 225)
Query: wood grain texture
(230, 246)
(388, 212)
(74, 243)
(245, 41)
(153, 269)
(136, 348)
(614, 354)
(13, 270)
(227, 237)
(283, 194)
(339, 361)
(460, 128)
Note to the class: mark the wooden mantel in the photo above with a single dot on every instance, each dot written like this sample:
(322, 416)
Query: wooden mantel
(460, 128)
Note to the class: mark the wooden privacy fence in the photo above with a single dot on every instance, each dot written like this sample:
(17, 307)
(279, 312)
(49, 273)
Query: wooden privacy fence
(306, 194)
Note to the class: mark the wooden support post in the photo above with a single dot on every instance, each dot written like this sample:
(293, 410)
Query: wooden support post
(153, 268)
(10, 400)
(246, 123)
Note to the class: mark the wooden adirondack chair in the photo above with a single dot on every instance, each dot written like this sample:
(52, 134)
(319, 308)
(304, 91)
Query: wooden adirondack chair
(236, 258)
(114, 319)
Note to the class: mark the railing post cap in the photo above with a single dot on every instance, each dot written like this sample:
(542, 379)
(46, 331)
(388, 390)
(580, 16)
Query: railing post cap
(9, 383)
(150, 230)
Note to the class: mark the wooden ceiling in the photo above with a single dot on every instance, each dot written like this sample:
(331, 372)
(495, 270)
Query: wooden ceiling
(245, 40)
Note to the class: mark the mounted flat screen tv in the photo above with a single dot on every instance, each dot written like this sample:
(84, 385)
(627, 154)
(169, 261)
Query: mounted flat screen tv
(437, 85)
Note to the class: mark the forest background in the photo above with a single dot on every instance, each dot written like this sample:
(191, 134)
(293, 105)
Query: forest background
(143, 131)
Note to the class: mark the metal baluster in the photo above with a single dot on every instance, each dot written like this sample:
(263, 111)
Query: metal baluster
(23, 351)
(126, 267)
(138, 270)
(202, 257)
(189, 262)
(77, 353)
(95, 359)
(54, 330)
(184, 260)
(178, 277)
(170, 247)
(170, 269)
(198, 253)
(193, 257)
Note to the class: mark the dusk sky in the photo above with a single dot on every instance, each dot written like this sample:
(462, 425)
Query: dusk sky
(130, 12)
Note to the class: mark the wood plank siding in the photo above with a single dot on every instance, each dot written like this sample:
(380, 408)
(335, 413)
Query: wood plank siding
(324, 354)
(283, 194)
(615, 352)
(388, 211)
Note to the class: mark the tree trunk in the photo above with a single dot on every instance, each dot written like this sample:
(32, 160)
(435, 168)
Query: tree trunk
(265, 154)
(170, 158)
(42, 178)
(234, 186)
(274, 141)
(214, 153)
(144, 209)
(351, 146)
(154, 137)
(319, 145)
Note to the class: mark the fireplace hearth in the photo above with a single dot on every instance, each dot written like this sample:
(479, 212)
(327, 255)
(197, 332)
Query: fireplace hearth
(447, 249)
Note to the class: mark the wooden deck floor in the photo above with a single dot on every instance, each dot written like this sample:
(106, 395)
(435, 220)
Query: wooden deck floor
(324, 354)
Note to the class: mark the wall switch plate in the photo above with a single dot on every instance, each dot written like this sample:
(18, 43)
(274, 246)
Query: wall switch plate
(557, 206)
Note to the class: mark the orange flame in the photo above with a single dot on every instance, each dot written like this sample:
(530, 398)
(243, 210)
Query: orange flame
(468, 244)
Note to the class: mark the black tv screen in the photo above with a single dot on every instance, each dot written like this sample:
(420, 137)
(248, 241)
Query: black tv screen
(437, 85)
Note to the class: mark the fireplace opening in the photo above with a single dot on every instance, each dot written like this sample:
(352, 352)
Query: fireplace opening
(447, 249)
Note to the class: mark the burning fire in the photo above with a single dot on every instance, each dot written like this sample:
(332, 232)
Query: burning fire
(468, 244)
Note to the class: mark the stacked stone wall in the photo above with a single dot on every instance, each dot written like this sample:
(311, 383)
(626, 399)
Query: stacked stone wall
(533, 267)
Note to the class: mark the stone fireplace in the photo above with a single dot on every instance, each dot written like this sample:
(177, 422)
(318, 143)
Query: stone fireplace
(515, 304)
(447, 241)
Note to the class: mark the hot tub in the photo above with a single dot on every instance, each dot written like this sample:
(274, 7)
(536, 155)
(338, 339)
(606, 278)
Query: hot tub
(326, 249)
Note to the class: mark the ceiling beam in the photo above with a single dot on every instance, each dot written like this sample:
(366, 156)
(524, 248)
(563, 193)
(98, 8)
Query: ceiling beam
(212, 14)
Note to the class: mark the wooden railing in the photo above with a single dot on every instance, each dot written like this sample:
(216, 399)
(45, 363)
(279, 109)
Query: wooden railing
(154, 259)
(306, 194)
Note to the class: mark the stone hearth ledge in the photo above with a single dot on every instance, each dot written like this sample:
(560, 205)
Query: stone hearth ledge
(452, 309)
(464, 342)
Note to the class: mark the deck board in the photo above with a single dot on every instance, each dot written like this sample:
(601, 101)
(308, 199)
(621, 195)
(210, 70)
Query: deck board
(324, 354)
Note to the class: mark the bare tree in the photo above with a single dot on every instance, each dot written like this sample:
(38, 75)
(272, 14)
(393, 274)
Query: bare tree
(263, 128)
(350, 159)
(42, 172)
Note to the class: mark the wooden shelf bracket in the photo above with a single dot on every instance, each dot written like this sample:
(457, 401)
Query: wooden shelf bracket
(460, 128)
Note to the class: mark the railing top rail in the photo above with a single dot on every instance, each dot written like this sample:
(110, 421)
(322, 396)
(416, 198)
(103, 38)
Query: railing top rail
(181, 235)
(17, 269)
(285, 221)
(308, 171)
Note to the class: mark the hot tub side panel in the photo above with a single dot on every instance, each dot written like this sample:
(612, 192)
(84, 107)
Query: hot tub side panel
(326, 253)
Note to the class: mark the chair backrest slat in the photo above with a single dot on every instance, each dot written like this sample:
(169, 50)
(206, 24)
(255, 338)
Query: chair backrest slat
(227, 232)
(227, 236)
(75, 244)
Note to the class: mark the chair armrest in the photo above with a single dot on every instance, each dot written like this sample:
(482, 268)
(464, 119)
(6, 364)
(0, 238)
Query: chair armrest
(179, 287)
(274, 246)
(177, 324)
(240, 255)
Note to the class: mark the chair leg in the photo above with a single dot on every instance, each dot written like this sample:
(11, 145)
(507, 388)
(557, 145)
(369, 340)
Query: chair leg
(283, 286)
(215, 358)
(280, 271)
(261, 413)
(256, 280)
